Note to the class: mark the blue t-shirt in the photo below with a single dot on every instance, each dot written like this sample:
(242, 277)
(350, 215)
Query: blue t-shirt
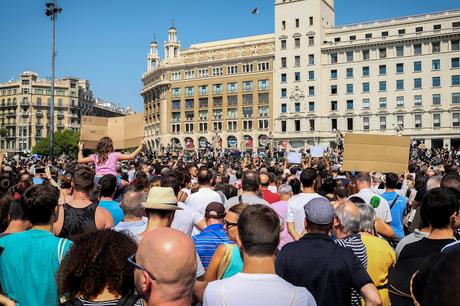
(114, 209)
(28, 266)
(208, 241)
(397, 212)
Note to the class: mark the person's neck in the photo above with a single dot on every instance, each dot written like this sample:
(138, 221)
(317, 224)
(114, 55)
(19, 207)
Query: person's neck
(205, 186)
(390, 190)
(308, 190)
(258, 265)
(80, 197)
(128, 218)
(248, 193)
(441, 233)
(106, 199)
(212, 221)
(284, 197)
(106, 295)
(339, 234)
(156, 222)
(16, 226)
(43, 227)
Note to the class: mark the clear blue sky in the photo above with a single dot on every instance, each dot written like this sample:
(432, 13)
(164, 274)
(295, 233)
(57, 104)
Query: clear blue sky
(106, 41)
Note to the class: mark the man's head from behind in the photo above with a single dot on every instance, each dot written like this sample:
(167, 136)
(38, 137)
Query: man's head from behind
(204, 177)
(264, 180)
(346, 220)
(363, 180)
(83, 180)
(108, 185)
(319, 215)
(391, 180)
(258, 231)
(215, 213)
(39, 203)
(131, 203)
(442, 207)
(250, 181)
(169, 262)
(308, 177)
(451, 181)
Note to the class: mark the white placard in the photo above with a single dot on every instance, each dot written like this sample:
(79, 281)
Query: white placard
(294, 157)
(317, 151)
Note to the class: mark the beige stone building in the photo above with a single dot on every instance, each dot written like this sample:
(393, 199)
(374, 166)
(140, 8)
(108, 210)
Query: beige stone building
(217, 93)
(24, 109)
(397, 76)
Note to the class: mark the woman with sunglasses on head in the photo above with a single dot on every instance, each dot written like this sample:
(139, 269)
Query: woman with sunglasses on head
(95, 271)
(227, 260)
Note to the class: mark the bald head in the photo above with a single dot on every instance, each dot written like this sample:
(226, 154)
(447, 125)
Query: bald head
(169, 255)
(347, 216)
(264, 179)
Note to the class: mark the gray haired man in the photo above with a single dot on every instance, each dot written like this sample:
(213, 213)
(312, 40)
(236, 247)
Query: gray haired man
(134, 223)
(280, 207)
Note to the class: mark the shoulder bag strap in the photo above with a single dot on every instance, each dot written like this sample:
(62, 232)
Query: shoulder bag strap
(394, 201)
(294, 292)
(221, 293)
(128, 299)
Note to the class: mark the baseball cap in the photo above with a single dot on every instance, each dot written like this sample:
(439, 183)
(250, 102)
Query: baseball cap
(319, 211)
(215, 210)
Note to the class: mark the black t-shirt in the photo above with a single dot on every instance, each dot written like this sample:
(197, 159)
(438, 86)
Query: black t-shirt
(423, 248)
(327, 270)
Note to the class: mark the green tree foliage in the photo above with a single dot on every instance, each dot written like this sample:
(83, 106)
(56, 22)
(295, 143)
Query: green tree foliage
(65, 142)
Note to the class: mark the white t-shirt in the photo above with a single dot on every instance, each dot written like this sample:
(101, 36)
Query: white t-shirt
(200, 199)
(185, 219)
(295, 211)
(256, 289)
(382, 211)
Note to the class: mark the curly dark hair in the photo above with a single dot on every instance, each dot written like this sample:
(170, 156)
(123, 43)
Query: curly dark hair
(97, 260)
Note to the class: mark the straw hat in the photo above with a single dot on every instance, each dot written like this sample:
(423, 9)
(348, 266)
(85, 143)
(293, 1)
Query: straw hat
(161, 198)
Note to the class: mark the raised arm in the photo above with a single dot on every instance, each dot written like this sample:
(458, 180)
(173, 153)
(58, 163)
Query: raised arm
(81, 159)
(134, 154)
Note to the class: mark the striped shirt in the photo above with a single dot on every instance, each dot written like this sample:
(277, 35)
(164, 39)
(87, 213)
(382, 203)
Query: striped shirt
(139, 302)
(355, 243)
(208, 241)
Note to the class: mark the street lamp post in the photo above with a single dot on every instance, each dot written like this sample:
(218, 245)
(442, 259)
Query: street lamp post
(51, 11)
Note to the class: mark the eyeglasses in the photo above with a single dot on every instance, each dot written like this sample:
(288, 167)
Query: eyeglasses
(134, 264)
(229, 225)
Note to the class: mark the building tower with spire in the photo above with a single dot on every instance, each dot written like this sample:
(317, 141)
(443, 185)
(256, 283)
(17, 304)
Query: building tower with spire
(172, 45)
(153, 58)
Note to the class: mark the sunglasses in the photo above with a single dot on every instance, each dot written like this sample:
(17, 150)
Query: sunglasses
(134, 264)
(229, 225)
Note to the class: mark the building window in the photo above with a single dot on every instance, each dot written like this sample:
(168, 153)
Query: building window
(456, 98)
(283, 93)
(400, 120)
(216, 71)
(283, 44)
(383, 102)
(217, 88)
(333, 58)
(176, 92)
(402, 31)
(189, 91)
(368, 35)
(366, 71)
(382, 69)
(311, 59)
(418, 29)
(312, 124)
(383, 53)
(384, 33)
(311, 90)
(436, 64)
(334, 74)
(400, 101)
(436, 47)
(383, 85)
(217, 126)
(333, 89)
(417, 66)
(283, 25)
(366, 103)
(232, 87)
(283, 78)
(203, 127)
(248, 68)
(399, 84)
(311, 106)
(455, 80)
(417, 49)
(189, 74)
(232, 69)
(400, 68)
(297, 76)
(263, 124)
(352, 37)
(418, 100)
(455, 45)
(297, 107)
(455, 62)
(418, 121)
(311, 41)
(366, 55)
(366, 87)
(350, 56)
(311, 75)
(283, 108)
(297, 125)
(383, 122)
(297, 60)
(337, 39)
(436, 99)
(366, 124)
(248, 86)
(203, 73)
(456, 24)
(203, 89)
(297, 42)
(175, 76)
(350, 124)
(297, 22)
(437, 27)
(400, 51)
(436, 120)
(436, 81)
(264, 84)
(333, 105)
(264, 66)
(455, 119)
(417, 83)
(283, 126)
(349, 72)
(283, 62)
(310, 21)
(349, 88)
(334, 124)
(349, 104)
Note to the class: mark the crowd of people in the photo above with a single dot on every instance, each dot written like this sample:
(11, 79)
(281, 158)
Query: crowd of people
(227, 228)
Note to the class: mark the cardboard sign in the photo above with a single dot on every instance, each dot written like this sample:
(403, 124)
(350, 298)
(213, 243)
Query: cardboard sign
(126, 132)
(317, 151)
(364, 152)
(294, 157)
